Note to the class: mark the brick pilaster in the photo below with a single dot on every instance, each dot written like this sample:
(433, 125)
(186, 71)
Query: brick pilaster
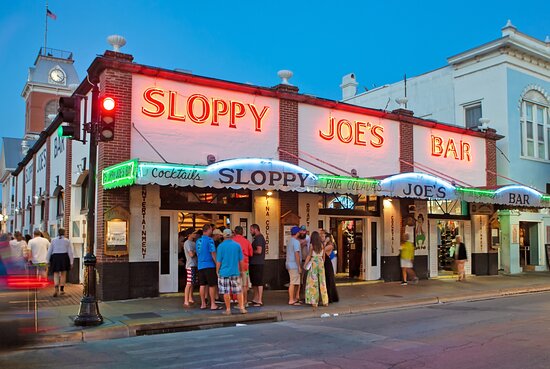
(118, 85)
(288, 141)
(67, 188)
(406, 147)
(47, 193)
(491, 157)
(33, 201)
(23, 201)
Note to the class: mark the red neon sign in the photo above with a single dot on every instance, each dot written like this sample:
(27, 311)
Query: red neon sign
(199, 109)
(448, 148)
(356, 132)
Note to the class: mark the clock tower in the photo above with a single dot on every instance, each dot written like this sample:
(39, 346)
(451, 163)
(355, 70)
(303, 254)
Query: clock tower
(52, 76)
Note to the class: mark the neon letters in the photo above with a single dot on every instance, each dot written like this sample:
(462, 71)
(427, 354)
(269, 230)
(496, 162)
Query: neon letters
(199, 109)
(357, 132)
(448, 148)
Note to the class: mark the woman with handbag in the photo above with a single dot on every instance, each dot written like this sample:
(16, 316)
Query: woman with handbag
(316, 288)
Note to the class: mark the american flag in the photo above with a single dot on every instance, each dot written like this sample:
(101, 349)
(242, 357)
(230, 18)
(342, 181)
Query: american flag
(50, 14)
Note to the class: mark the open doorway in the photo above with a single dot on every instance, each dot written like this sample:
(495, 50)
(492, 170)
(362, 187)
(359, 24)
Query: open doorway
(348, 234)
(528, 244)
(447, 230)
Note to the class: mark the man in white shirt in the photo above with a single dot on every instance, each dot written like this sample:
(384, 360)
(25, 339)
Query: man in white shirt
(38, 247)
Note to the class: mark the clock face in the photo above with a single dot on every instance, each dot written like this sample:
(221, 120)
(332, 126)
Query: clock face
(57, 75)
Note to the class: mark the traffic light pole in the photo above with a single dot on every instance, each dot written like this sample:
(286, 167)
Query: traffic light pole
(89, 310)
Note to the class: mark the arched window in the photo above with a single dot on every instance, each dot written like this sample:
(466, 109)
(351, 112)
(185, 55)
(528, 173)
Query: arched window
(84, 194)
(60, 204)
(535, 126)
(50, 111)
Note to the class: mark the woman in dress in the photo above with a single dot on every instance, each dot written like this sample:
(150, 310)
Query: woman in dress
(316, 288)
(329, 246)
(60, 257)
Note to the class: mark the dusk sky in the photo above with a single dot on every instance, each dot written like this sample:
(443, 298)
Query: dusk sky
(249, 41)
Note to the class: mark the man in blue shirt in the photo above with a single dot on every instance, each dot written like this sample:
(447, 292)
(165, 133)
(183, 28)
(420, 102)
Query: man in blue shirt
(229, 264)
(206, 255)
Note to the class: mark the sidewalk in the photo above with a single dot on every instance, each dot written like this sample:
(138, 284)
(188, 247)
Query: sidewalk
(166, 314)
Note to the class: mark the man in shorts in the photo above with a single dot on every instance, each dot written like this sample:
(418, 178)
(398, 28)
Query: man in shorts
(257, 261)
(246, 248)
(294, 266)
(208, 280)
(229, 265)
(190, 250)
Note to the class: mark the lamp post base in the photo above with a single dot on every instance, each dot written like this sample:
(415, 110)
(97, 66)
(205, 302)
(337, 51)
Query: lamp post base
(89, 313)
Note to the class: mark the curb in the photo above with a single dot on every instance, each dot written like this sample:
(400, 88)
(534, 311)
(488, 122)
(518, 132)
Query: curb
(157, 326)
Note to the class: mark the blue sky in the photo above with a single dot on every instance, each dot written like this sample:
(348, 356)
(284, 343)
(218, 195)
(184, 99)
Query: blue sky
(249, 41)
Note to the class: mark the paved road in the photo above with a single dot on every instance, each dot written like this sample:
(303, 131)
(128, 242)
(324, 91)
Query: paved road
(503, 333)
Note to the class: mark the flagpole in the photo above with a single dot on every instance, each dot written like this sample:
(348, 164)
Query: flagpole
(46, 30)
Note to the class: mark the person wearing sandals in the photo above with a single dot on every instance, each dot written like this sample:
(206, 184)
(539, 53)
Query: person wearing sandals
(60, 257)
(190, 250)
(294, 266)
(229, 265)
(316, 287)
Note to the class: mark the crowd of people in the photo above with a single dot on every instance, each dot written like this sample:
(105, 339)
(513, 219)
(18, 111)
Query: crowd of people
(38, 256)
(309, 261)
(223, 263)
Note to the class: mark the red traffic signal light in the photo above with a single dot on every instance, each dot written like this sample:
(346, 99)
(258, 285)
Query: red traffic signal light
(107, 112)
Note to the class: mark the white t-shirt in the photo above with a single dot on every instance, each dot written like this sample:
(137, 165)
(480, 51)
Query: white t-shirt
(18, 248)
(39, 250)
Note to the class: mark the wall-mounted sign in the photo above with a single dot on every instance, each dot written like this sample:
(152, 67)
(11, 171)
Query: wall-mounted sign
(418, 186)
(116, 231)
(200, 109)
(518, 196)
(356, 132)
(119, 175)
(513, 196)
(269, 174)
(448, 148)
(251, 173)
(347, 185)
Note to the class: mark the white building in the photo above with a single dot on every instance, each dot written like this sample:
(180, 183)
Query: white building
(503, 84)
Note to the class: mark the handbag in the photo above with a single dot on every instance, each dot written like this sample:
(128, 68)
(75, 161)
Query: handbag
(308, 265)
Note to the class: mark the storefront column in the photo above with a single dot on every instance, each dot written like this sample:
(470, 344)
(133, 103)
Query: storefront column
(509, 250)
(114, 271)
(288, 141)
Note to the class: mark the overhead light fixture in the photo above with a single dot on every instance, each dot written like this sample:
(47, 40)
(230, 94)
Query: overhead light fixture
(269, 193)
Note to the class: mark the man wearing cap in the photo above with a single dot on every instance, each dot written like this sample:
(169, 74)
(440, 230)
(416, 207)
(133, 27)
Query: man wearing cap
(229, 265)
(217, 236)
(294, 266)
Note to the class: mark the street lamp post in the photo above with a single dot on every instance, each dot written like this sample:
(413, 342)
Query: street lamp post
(89, 314)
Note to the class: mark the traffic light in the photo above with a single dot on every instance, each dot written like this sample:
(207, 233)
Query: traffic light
(69, 112)
(107, 112)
